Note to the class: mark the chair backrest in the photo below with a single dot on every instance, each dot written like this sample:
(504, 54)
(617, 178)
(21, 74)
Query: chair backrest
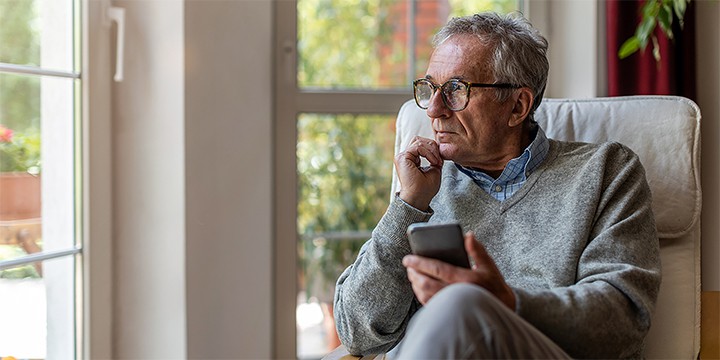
(665, 133)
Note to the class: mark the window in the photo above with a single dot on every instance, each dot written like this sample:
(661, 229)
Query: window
(343, 69)
(40, 186)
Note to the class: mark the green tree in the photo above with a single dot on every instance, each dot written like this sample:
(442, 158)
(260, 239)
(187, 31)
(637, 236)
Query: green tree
(338, 41)
(19, 44)
(344, 176)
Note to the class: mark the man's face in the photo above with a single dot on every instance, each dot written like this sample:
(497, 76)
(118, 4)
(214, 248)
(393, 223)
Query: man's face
(478, 136)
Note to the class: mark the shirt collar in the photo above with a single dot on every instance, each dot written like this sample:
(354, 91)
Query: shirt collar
(519, 168)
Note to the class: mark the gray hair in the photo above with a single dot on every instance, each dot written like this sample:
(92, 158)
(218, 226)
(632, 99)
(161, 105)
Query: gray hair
(519, 50)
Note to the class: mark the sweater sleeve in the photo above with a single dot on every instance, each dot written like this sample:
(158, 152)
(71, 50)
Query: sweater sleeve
(607, 313)
(373, 297)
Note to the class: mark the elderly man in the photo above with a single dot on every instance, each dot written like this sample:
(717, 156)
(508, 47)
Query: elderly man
(562, 235)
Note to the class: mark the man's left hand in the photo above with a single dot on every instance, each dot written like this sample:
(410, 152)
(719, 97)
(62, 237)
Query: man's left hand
(428, 276)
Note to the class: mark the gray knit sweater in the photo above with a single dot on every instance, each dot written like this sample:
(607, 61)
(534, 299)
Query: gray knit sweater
(577, 244)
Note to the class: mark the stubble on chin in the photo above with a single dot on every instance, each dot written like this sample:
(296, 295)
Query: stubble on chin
(447, 151)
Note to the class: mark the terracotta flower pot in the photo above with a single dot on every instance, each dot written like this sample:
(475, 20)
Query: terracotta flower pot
(19, 196)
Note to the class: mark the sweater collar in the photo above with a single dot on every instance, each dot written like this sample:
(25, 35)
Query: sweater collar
(519, 168)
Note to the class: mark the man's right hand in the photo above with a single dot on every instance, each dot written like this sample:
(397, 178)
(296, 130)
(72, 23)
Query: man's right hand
(418, 185)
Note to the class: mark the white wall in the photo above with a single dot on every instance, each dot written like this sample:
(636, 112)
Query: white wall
(571, 28)
(149, 185)
(708, 70)
(192, 186)
(228, 117)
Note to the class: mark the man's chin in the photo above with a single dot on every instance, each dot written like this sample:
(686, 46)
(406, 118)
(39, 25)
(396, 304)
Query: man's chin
(447, 152)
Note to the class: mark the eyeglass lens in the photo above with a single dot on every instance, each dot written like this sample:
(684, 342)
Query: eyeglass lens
(454, 94)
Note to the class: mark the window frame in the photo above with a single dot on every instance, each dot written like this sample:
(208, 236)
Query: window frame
(290, 101)
(96, 302)
(81, 32)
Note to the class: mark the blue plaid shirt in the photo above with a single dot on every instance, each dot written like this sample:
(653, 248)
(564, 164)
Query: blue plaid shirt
(516, 171)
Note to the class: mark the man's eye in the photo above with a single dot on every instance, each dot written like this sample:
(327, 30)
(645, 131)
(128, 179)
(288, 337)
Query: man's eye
(456, 86)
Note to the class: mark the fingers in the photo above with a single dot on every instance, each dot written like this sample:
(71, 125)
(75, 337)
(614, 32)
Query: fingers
(475, 250)
(435, 268)
(419, 185)
(480, 258)
(428, 276)
(424, 287)
(424, 147)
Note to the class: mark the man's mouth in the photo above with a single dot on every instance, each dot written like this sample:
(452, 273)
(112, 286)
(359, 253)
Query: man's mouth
(442, 135)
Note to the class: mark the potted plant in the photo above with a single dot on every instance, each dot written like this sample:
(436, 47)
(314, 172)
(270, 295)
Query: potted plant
(19, 174)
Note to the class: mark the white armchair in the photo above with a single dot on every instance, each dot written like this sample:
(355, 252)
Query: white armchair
(665, 133)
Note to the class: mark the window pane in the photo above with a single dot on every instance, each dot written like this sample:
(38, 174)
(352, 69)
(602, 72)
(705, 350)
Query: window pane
(364, 44)
(37, 33)
(37, 310)
(37, 183)
(344, 166)
(36, 164)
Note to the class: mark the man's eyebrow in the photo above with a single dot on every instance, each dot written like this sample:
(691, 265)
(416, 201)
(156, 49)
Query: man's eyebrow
(457, 77)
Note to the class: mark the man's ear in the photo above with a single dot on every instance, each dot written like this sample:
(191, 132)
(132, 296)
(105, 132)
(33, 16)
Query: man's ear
(521, 109)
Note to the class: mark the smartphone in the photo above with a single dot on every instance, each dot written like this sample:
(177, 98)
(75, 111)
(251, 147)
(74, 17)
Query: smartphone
(444, 242)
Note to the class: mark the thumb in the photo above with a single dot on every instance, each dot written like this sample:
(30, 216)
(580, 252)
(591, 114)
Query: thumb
(476, 251)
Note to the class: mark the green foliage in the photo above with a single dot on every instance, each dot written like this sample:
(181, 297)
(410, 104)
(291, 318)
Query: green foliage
(344, 168)
(357, 43)
(19, 41)
(19, 151)
(338, 42)
(27, 271)
(344, 165)
(654, 13)
(465, 7)
(19, 104)
(19, 44)
(21, 272)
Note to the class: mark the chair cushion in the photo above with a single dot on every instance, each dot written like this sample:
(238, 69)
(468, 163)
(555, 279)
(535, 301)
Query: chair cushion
(663, 130)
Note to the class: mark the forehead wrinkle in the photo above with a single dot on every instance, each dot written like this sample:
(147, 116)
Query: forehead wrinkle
(465, 55)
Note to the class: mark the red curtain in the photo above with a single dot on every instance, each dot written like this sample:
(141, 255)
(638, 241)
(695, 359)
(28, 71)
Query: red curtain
(640, 74)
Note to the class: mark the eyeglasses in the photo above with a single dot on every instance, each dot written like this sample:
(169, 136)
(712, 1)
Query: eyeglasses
(455, 93)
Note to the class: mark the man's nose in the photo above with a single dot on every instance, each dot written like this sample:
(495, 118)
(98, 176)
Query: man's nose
(436, 107)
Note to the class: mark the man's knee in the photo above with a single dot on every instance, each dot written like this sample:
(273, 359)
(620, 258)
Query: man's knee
(463, 305)
(458, 319)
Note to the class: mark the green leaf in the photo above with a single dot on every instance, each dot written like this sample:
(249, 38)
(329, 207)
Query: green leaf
(680, 6)
(645, 30)
(656, 50)
(629, 47)
(650, 9)
(665, 20)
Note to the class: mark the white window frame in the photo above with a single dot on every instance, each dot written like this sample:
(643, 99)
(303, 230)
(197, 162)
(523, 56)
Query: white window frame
(289, 102)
